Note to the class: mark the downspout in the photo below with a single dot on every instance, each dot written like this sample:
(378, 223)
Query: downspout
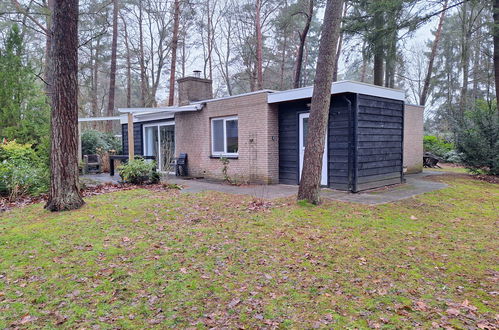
(402, 178)
(350, 143)
(356, 145)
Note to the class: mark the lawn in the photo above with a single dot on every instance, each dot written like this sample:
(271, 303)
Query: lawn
(143, 258)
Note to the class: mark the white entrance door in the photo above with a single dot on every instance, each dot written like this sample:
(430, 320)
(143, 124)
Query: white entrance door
(303, 140)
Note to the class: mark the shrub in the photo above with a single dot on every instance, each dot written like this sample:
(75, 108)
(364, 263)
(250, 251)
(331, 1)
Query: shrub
(95, 142)
(437, 146)
(478, 139)
(139, 171)
(21, 171)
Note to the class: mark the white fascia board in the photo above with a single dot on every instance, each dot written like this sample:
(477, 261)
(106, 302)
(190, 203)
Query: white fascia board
(193, 107)
(337, 88)
(148, 114)
(90, 119)
(234, 96)
(153, 116)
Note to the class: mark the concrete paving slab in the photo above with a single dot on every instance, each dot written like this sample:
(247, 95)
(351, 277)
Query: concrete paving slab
(415, 185)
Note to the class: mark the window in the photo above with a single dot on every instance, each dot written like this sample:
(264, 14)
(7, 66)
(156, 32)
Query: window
(224, 136)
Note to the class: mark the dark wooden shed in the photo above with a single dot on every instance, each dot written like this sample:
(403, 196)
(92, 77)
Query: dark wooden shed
(364, 140)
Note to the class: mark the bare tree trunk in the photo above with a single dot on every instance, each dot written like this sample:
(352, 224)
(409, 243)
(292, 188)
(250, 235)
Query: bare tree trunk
(340, 45)
(64, 186)
(112, 74)
(143, 76)
(301, 47)
(319, 109)
(378, 49)
(94, 82)
(259, 46)
(467, 26)
(433, 54)
(48, 46)
(173, 66)
(128, 66)
(496, 48)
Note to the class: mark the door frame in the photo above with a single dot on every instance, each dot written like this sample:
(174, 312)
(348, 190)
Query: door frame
(157, 125)
(301, 149)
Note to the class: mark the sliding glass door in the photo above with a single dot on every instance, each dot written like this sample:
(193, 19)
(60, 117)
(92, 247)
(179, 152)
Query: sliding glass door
(159, 141)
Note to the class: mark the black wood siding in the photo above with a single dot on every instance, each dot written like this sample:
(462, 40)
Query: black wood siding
(379, 142)
(340, 141)
(289, 155)
(137, 135)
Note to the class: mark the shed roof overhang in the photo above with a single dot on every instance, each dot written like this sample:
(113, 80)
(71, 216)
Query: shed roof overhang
(338, 88)
(147, 114)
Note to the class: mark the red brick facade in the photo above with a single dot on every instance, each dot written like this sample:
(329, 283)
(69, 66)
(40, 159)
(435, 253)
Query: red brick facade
(257, 160)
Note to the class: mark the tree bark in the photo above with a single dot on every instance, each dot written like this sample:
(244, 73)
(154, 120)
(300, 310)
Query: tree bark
(173, 66)
(433, 54)
(496, 48)
(301, 47)
(64, 186)
(128, 66)
(143, 76)
(340, 45)
(259, 46)
(319, 111)
(112, 73)
(378, 49)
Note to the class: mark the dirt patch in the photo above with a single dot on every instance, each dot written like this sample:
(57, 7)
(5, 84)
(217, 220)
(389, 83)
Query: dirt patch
(94, 190)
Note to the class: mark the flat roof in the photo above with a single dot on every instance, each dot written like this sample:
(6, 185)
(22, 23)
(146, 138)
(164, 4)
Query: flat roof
(338, 87)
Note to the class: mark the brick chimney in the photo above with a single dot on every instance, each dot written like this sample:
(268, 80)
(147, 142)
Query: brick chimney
(193, 89)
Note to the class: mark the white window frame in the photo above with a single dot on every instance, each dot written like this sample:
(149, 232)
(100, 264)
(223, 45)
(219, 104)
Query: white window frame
(224, 153)
(157, 125)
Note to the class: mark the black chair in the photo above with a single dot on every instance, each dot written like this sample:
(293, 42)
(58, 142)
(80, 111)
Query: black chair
(181, 165)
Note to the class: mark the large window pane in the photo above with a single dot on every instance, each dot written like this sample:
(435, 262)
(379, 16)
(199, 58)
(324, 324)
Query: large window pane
(151, 141)
(232, 136)
(167, 145)
(218, 135)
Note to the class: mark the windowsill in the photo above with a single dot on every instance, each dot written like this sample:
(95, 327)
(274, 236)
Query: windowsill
(224, 156)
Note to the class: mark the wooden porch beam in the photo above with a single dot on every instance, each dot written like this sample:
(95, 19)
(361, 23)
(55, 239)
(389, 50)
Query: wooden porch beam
(131, 151)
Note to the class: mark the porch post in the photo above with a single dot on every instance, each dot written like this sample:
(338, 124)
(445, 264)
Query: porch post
(131, 151)
(80, 156)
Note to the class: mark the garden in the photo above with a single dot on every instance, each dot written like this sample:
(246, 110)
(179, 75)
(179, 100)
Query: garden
(147, 258)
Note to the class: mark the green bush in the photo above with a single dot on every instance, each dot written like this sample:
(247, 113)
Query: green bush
(22, 172)
(478, 139)
(95, 142)
(139, 171)
(437, 146)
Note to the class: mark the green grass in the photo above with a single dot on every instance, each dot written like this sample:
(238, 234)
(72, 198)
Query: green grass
(146, 259)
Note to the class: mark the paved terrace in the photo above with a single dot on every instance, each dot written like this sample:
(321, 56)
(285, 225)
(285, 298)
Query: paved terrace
(415, 185)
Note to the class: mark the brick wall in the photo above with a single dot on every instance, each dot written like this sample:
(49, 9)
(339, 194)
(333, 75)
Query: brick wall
(413, 138)
(258, 133)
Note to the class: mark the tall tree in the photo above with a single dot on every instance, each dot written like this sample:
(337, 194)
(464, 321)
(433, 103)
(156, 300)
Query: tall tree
(431, 60)
(496, 47)
(173, 64)
(64, 191)
(319, 110)
(112, 73)
(259, 45)
(303, 38)
(378, 47)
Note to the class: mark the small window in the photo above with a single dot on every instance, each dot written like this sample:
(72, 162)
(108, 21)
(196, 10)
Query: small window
(224, 136)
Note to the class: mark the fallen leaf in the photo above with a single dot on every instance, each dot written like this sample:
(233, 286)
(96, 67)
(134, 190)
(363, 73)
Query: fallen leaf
(453, 311)
(27, 319)
(234, 303)
(421, 306)
(413, 217)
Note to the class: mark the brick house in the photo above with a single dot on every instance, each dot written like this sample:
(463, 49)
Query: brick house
(372, 135)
